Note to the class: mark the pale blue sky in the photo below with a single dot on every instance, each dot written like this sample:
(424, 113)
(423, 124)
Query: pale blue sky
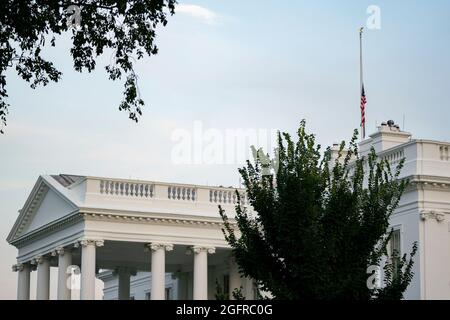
(236, 64)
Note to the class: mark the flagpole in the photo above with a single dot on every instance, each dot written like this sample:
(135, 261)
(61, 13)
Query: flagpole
(361, 75)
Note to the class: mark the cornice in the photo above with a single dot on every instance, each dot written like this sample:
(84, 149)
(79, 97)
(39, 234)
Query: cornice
(139, 218)
(48, 229)
(128, 218)
(33, 202)
(429, 181)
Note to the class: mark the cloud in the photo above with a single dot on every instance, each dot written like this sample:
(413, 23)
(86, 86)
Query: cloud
(205, 15)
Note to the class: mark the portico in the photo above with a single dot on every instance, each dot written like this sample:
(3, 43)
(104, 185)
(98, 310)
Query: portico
(126, 226)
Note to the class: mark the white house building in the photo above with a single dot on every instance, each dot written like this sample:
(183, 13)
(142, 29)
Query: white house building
(125, 226)
(151, 240)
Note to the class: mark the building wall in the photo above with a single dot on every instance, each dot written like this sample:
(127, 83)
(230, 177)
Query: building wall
(406, 219)
(423, 215)
(139, 286)
(435, 240)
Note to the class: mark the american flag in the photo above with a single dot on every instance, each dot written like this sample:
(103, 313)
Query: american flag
(363, 111)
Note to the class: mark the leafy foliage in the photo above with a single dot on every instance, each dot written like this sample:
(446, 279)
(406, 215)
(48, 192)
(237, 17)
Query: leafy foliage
(220, 293)
(125, 26)
(318, 223)
(398, 275)
(237, 293)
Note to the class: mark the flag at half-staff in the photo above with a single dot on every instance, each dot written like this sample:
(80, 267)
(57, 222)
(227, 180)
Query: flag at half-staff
(363, 93)
(363, 111)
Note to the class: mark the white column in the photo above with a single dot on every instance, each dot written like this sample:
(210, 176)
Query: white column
(235, 278)
(64, 262)
(158, 270)
(23, 280)
(201, 271)
(88, 268)
(43, 278)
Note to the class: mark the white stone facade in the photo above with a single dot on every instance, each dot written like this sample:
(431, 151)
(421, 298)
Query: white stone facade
(423, 214)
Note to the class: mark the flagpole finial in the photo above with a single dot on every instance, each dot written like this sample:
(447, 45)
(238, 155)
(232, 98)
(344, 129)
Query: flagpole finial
(361, 30)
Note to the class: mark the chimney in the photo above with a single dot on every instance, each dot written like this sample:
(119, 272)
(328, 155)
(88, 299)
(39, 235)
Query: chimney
(335, 155)
(387, 136)
(334, 151)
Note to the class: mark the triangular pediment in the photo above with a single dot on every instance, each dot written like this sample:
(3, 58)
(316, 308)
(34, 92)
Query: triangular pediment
(44, 206)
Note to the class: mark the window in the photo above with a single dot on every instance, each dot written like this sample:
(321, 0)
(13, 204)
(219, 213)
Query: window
(395, 243)
(395, 249)
(168, 293)
(226, 284)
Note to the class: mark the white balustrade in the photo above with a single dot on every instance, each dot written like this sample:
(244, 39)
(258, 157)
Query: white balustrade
(394, 158)
(226, 196)
(444, 152)
(127, 189)
(173, 192)
(181, 193)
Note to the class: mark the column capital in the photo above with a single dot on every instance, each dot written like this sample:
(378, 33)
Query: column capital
(198, 249)
(126, 270)
(157, 245)
(91, 242)
(59, 251)
(431, 214)
(17, 267)
(39, 259)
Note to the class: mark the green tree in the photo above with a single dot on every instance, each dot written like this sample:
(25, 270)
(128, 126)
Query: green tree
(127, 27)
(318, 223)
(220, 293)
